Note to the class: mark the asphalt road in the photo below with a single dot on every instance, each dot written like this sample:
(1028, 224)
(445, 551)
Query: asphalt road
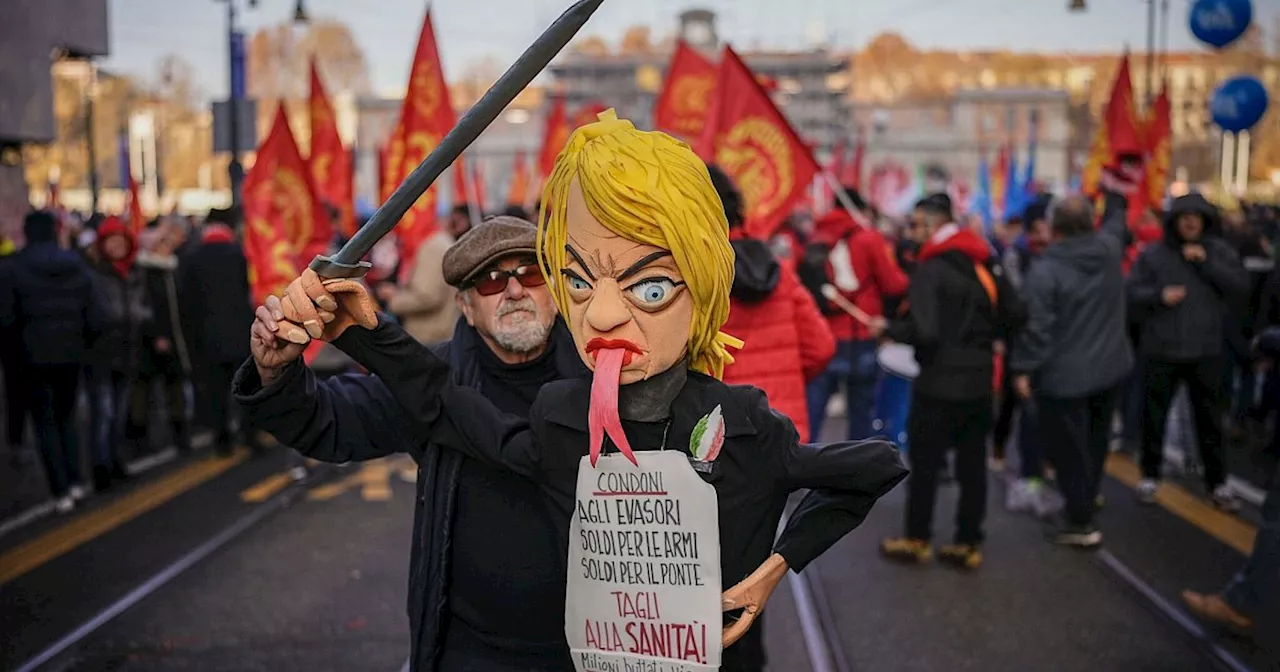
(320, 585)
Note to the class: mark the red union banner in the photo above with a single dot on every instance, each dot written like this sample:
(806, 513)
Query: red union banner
(330, 163)
(750, 139)
(686, 97)
(285, 227)
(425, 117)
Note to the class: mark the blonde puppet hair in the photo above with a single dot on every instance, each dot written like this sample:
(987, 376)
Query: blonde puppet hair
(652, 189)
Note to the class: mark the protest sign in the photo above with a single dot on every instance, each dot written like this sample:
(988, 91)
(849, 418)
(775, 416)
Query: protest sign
(644, 567)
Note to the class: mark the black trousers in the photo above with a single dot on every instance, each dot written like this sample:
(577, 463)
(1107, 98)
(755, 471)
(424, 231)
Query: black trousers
(17, 396)
(1203, 379)
(935, 426)
(53, 398)
(1076, 432)
(1004, 418)
(217, 393)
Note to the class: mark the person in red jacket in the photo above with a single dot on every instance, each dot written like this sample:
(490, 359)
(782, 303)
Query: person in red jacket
(788, 341)
(862, 265)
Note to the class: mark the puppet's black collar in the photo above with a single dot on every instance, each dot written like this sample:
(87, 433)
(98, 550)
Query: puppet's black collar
(650, 400)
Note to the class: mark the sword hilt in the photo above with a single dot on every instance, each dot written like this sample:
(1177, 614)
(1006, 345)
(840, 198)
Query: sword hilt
(330, 268)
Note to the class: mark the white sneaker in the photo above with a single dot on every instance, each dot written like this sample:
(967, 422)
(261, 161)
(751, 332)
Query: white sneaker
(1147, 490)
(78, 492)
(1046, 502)
(1224, 499)
(1019, 496)
(64, 505)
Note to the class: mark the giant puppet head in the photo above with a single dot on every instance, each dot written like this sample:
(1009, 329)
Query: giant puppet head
(634, 243)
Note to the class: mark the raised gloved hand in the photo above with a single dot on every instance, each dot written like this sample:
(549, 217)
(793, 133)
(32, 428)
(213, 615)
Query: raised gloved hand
(311, 308)
(324, 309)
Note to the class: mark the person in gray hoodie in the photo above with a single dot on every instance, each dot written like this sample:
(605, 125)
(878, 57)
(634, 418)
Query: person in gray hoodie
(1074, 352)
(1182, 291)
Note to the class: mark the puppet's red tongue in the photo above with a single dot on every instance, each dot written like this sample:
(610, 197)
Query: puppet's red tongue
(602, 416)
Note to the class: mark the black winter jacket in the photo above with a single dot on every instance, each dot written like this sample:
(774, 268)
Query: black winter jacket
(1076, 342)
(214, 303)
(353, 418)
(950, 319)
(1197, 327)
(47, 302)
(160, 274)
(127, 319)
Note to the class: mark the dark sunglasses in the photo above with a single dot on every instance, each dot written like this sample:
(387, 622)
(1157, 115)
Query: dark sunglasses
(495, 281)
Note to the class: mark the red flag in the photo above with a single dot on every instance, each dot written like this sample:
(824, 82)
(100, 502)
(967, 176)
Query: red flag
(554, 136)
(329, 162)
(1118, 133)
(461, 196)
(477, 185)
(1158, 135)
(518, 190)
(136, 220)
(425, 117)
(285, 227)
(685, 99)
(754, 144)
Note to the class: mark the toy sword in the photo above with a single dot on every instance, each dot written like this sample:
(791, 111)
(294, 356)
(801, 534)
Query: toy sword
(347, 262)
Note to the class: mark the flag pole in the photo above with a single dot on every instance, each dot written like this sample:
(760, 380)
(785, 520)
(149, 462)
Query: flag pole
(845, 201)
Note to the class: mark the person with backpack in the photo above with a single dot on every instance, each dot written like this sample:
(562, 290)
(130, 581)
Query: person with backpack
(960, 306)
(851, 255)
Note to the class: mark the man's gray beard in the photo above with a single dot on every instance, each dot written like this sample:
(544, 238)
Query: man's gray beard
(523, 332)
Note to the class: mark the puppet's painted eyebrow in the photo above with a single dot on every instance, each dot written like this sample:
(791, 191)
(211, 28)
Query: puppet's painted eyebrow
(574, 253)
(639, 265)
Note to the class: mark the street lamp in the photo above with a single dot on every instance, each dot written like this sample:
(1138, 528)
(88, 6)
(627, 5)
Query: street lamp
(236, 79)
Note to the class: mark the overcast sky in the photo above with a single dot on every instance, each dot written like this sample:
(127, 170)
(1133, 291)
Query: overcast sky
(142, 31)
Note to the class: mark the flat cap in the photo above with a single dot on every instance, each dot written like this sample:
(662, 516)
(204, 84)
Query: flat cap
(494, 238)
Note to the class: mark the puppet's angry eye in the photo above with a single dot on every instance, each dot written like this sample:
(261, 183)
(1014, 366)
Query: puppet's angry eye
(652, 291)
(575, 283)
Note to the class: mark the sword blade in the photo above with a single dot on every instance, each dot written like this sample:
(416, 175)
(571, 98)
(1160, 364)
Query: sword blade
(347, 262)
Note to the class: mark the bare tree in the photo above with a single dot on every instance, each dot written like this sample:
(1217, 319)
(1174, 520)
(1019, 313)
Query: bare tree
(636, 40)
(592, 45)
(279, 58)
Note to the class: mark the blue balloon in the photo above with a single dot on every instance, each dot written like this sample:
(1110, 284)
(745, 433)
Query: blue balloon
(1220, 22)
(1239, 103)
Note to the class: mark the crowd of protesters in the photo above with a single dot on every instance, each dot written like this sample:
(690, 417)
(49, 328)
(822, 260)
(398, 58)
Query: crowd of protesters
(99, 315)
(1075, 328)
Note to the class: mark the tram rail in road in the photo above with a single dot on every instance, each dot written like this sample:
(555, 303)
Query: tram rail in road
(248, 521)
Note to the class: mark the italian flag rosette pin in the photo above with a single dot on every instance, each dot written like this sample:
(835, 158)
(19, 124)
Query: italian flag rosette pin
(707, 437)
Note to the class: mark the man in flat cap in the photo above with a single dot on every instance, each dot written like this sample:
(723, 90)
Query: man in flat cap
(486, 577)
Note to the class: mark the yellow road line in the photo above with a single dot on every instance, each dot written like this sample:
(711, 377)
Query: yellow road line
(93, 524)
(376, 478)
(263, 490)
(1227, 528)
(331, 490)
